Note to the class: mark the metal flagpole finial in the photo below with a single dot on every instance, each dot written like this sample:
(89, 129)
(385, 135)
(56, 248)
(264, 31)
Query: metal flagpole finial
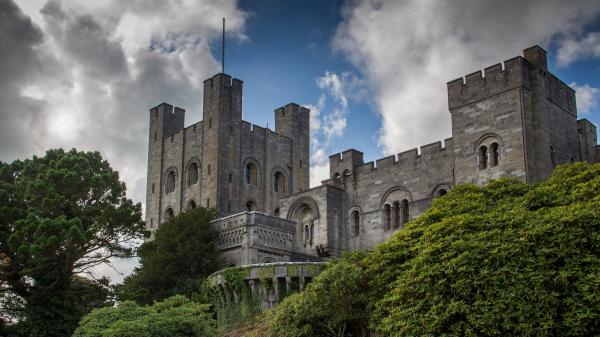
(223, 49)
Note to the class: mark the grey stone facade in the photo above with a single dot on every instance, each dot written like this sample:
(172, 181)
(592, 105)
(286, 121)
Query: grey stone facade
(511, 119)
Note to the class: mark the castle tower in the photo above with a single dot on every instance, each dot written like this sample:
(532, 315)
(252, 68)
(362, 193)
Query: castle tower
(165, 122)
(222, 113)
(293, 121)
(515, 119)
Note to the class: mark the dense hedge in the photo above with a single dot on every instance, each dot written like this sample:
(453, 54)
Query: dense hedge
(174, 317)
(505, 259)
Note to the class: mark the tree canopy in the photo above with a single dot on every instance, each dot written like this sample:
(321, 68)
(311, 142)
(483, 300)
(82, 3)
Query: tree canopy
(174, 317)
(504, 259)
(183, 251)
(60, 215)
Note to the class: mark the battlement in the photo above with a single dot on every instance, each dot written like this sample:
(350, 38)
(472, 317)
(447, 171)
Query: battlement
(345, 161)
(424, 154)
(226, 81)
(493, 80)
(172, 118)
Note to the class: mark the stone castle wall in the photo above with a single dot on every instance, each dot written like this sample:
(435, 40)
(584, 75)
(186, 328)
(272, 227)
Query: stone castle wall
(513, 119)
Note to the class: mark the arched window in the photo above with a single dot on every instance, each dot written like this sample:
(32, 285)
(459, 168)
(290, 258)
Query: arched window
(250, 206)
(553, 156)
(279, 182)
(191, 204)
(251, 174)
(404, 212)
(337, 180)
(192, 174)
(169, 214)
(170, 185)
(441, 192)
(228, 207)
(207, 202)
(229, 179)
(355, 220)
(387, 213)
(495, 155)
(483, 157)
(397, 213)
(276, 212)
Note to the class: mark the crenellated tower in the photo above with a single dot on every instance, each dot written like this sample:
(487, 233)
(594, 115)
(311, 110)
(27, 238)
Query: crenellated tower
(222, 114)
(166, 122)
(293, 121)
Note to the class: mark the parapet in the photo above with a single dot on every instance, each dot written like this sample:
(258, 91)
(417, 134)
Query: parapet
(425, 154)
(172, 118)
(346, 160)
(224, 80)
(491, 81)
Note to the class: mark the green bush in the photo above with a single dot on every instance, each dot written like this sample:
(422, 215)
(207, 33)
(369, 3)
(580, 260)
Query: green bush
(174, 317)
(183, 252)
(506, 259)
(334, 304)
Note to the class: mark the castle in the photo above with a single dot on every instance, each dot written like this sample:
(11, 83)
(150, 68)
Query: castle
(513, 119)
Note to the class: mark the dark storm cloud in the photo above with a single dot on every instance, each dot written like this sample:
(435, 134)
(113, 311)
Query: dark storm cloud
(85, 76)
(85, 42)
(21, 62)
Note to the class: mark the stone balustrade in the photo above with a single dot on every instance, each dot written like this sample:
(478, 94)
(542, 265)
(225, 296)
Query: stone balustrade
(266, 282)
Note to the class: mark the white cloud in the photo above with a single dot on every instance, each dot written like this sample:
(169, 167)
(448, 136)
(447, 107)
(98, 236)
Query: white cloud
(408, 50)
(328, 122)
(577, 48)
(587, 97)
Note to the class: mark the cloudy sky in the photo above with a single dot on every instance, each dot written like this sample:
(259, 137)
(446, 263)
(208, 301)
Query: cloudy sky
(84, 73)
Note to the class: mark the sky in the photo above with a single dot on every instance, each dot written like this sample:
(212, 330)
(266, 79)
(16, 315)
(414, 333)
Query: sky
(84, 74)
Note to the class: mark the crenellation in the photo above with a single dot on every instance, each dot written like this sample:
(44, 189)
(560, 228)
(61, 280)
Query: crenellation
(408, 156)
(385, 162)
(493, 72)
(476, 86)
(431, 148)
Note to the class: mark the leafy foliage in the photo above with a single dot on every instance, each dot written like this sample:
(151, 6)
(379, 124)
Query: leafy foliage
(60, 215)
(334, 304)
(506, 259)
(174, 317)
(182, 253)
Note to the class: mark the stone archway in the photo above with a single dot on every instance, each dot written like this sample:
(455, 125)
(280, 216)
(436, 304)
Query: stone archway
(305, 213)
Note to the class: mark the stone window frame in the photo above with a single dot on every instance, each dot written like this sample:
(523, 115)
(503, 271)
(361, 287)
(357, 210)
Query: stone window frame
(400, 207)
(193, 161)
(169, 213)
(492, 144)
(277, 188)
(438, 189)
(388, 216)
(254, 180)
(253, 203)
(171, 175)
(553, 157)
(355, 228)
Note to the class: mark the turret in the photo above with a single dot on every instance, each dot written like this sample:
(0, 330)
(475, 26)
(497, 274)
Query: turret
(222, 111)
(165, 122)
(293, 121)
